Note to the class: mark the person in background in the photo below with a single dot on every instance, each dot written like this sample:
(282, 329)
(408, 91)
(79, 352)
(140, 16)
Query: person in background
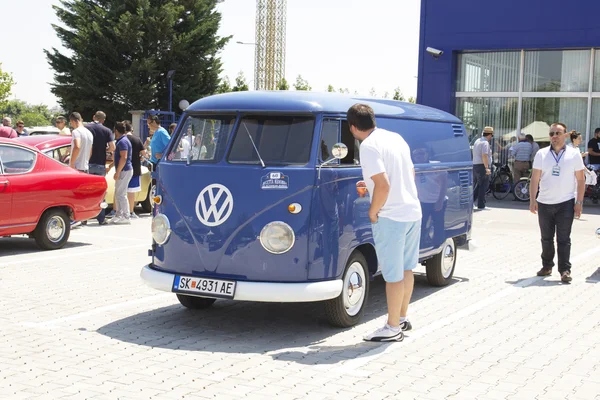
(594, 150)
(6, 130)
(137, 152)
(21, 129)
(482, 161)
(172, 128)
(123, 174)
(534, 146)
(157, 140)
(558, 173)
(576, 140)
(522, 155)
(81, 144)
(7, 121)
(61, 124)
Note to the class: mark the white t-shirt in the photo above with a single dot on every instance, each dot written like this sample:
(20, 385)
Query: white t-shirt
(186, 146)
(555, 189)
(385, 151)
(86, 140)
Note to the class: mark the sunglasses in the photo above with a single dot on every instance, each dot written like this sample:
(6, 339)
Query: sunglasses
(552, 133)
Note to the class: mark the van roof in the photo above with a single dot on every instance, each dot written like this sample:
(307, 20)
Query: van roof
(315, 102)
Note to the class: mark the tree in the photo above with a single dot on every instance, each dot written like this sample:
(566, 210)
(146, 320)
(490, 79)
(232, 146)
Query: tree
(398, 95)
(31, 115)
(345, 91)
(386, 95)
(330, 88)
(283, 85)
(6, 83)
(301, 84)
(122, 51)
(240, 83)
(372, 92)
(412, 100)
(224, 86)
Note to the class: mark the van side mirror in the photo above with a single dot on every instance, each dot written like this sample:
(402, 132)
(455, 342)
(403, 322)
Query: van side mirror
(339, 151)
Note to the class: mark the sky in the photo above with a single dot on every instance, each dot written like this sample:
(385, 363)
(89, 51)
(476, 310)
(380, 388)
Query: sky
(329, 42)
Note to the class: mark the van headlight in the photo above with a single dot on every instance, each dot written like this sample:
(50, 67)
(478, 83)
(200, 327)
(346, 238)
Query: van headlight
(277, 237)
(161, 229)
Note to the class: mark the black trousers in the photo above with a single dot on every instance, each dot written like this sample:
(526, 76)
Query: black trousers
(556, 218)
(480, 184)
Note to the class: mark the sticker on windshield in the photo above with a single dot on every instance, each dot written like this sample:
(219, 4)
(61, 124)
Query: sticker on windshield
(275, 181)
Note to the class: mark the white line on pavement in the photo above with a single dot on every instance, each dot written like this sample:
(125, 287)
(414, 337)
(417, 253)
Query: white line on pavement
(352, 367)
(119, 306)
(63, 253)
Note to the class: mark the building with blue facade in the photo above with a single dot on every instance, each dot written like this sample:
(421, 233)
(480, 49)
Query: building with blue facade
(516, 65)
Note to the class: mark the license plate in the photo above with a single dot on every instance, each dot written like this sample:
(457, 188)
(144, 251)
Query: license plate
(204, 286)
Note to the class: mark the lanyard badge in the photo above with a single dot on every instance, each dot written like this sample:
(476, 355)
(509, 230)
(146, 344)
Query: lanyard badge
(556, 168)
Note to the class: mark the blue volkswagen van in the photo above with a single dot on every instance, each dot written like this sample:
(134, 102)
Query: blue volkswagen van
(260, 197)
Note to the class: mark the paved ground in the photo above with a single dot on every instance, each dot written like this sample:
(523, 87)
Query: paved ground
(79, 323)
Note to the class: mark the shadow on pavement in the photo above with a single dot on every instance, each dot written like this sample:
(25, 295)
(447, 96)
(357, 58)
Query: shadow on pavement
(258, 328)
(594, 278)
(17, 245)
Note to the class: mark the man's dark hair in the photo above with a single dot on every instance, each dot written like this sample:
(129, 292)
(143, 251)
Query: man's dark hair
(120, 127)
(597, 130)
(128, 126)
(154, 118)
(560, 124)
(361, 116)
(75, 116)
(173, 126)
(529, 138)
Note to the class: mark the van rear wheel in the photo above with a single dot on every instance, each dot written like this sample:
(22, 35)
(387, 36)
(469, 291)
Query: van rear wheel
(348, 308)
(440, 268)
(195, 303)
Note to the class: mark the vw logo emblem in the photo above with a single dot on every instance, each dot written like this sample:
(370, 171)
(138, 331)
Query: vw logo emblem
(214, 205)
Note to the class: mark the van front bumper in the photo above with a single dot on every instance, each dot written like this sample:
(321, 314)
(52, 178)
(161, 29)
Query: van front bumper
(258, 291)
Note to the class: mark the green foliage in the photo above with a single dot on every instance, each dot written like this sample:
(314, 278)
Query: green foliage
(398, 95)
(240, 83)
(31, 115)
(6, 83)
(301, 84)
(372, 92)
(283, 85)
(123, 49)
(224, 86)
(345, 91)
(330, 88)
(412, 100)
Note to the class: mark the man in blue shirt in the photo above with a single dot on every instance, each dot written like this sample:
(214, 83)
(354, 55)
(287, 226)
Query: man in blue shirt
(158, 139)
(123, 174)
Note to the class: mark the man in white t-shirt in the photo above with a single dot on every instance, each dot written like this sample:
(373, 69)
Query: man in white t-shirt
(558, 172)
(395, 214)
(81, 144)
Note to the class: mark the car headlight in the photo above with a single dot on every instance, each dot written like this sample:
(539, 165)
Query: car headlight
(161, 229)
(277, 237)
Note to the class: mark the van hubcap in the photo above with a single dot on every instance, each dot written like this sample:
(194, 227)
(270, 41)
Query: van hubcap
(55, 229)
(354, 289)
(448, 258)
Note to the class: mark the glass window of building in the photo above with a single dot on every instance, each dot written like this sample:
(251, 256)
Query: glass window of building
(489, 72)
(557, 71)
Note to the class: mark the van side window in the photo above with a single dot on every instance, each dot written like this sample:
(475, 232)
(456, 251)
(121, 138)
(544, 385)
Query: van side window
(352, 158)
(330, 135)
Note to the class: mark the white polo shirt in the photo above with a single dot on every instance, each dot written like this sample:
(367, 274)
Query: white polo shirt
(385, 151)
(555, 189)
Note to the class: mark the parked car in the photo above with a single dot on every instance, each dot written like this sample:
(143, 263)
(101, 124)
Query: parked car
(42, 130)
(59, 147)
(39, 196)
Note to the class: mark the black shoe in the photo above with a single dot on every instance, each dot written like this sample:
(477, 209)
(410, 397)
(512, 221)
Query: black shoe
(566, 277)
(406, 325)
(103, 223)
(544, 272)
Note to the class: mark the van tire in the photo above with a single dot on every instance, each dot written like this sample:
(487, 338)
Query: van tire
(53, 229)
(440, 268)
(195, 303)
(339, 311)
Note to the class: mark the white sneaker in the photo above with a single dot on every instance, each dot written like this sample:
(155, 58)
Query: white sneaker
(120, 220)
(386, 334)
(133, 216)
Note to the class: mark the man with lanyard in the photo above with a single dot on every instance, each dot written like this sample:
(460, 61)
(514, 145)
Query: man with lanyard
(158, 140)
(558, 172)
(104, 140)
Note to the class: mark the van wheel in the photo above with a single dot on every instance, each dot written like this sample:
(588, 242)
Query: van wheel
(347, 309)
(195, 303)
(440, 268)
(52, 230)
(147, 204)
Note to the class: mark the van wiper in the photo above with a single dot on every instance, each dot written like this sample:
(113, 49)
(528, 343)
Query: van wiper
(255, 149)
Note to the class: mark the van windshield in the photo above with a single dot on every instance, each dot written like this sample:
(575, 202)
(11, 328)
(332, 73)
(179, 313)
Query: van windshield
(278, 140)
(201, 139)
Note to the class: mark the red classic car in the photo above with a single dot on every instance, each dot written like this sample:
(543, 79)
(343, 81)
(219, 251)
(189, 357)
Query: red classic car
(40, 196)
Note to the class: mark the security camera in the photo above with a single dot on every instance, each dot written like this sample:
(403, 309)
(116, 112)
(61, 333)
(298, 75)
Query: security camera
(434, 52)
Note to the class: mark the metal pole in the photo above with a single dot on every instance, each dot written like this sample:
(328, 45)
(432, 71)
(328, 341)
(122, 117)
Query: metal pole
(170, 94)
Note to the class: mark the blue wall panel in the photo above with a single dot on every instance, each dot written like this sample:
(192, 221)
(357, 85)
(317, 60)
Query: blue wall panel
(457, 25)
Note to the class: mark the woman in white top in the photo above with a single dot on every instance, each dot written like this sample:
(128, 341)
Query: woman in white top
(576, 140)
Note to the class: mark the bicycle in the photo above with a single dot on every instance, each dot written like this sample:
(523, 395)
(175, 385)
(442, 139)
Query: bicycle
(501, 181)
(521, 188)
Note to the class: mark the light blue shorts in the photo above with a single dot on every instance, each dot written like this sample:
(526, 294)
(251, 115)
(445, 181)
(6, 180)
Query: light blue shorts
(397, 247)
